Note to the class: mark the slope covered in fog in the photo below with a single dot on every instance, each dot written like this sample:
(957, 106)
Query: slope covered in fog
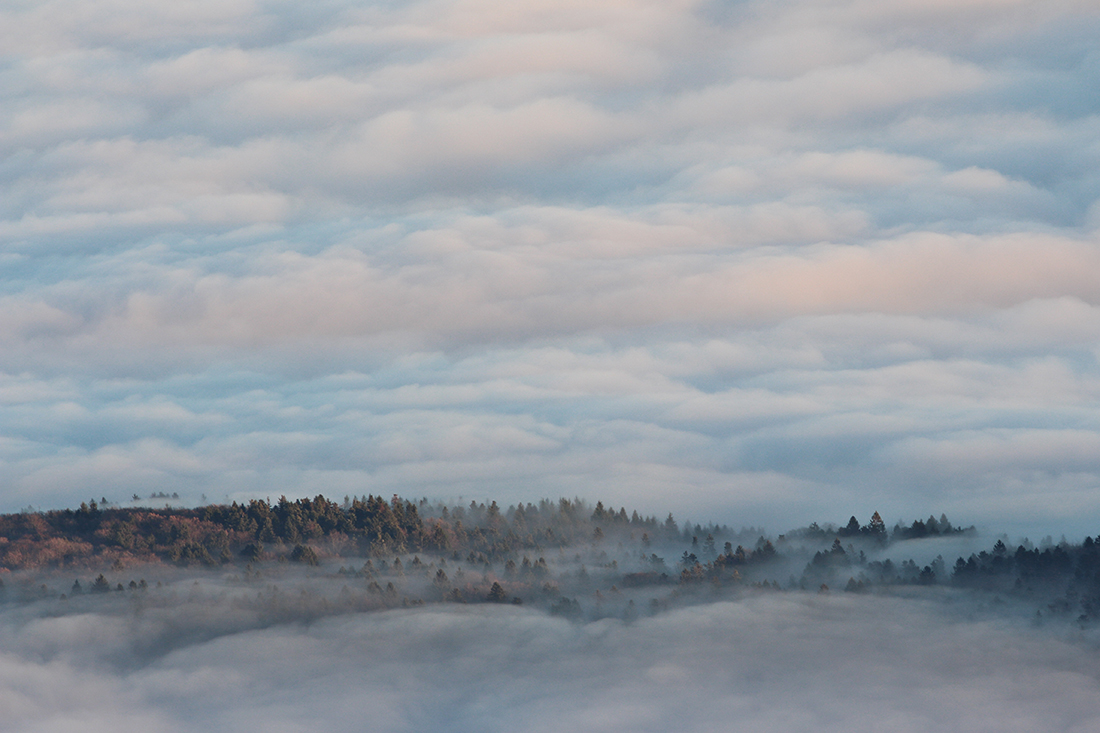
(555, 616)
(564, 556)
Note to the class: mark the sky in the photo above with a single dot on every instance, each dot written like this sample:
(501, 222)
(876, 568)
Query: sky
(762, 263)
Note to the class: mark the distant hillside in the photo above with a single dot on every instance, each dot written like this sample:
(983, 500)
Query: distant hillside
(555, 551)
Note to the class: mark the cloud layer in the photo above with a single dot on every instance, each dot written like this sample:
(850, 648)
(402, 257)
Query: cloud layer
(784, 662)
(757, 260)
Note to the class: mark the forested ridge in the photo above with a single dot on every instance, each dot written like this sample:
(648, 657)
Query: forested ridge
(370, 526)
(566, 553)
(366, 526)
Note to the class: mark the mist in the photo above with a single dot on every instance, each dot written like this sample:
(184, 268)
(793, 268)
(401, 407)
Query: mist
(782, 662)
(611, 630)
(762, 263)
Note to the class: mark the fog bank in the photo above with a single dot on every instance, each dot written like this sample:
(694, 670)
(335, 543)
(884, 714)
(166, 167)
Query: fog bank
(777, 662)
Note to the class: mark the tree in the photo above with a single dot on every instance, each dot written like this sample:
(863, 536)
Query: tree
(497, 594)
(876, 530)
(568, 607)
(305, 555)
(267, 531)
(441, 579)
(253, 551)
(852, 529)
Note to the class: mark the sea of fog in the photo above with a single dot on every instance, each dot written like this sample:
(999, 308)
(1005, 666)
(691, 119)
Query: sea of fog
(194, 657)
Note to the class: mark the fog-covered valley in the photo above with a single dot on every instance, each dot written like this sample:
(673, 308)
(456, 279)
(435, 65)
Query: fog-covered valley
(757, 263)
(780, 662)
(556, 616)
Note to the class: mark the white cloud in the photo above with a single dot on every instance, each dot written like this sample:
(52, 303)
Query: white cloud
(782, 662)
(643, 248)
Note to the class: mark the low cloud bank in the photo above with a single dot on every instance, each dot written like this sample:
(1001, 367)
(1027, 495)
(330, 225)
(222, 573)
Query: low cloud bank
(787, 662)
(556, 617)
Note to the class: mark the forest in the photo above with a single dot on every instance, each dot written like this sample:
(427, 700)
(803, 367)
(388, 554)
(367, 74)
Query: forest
(571, 558)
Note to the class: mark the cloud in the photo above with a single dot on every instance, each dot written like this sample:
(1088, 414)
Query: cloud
(751, 263)
(778, 662)
(478, 293)
(671, 252)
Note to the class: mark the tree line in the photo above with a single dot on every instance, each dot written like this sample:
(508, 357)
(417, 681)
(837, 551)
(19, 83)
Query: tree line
(505, 551)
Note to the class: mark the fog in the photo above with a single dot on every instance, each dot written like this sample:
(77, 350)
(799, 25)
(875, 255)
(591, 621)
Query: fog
(766, 661)
(606, 634)
(753, 261)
